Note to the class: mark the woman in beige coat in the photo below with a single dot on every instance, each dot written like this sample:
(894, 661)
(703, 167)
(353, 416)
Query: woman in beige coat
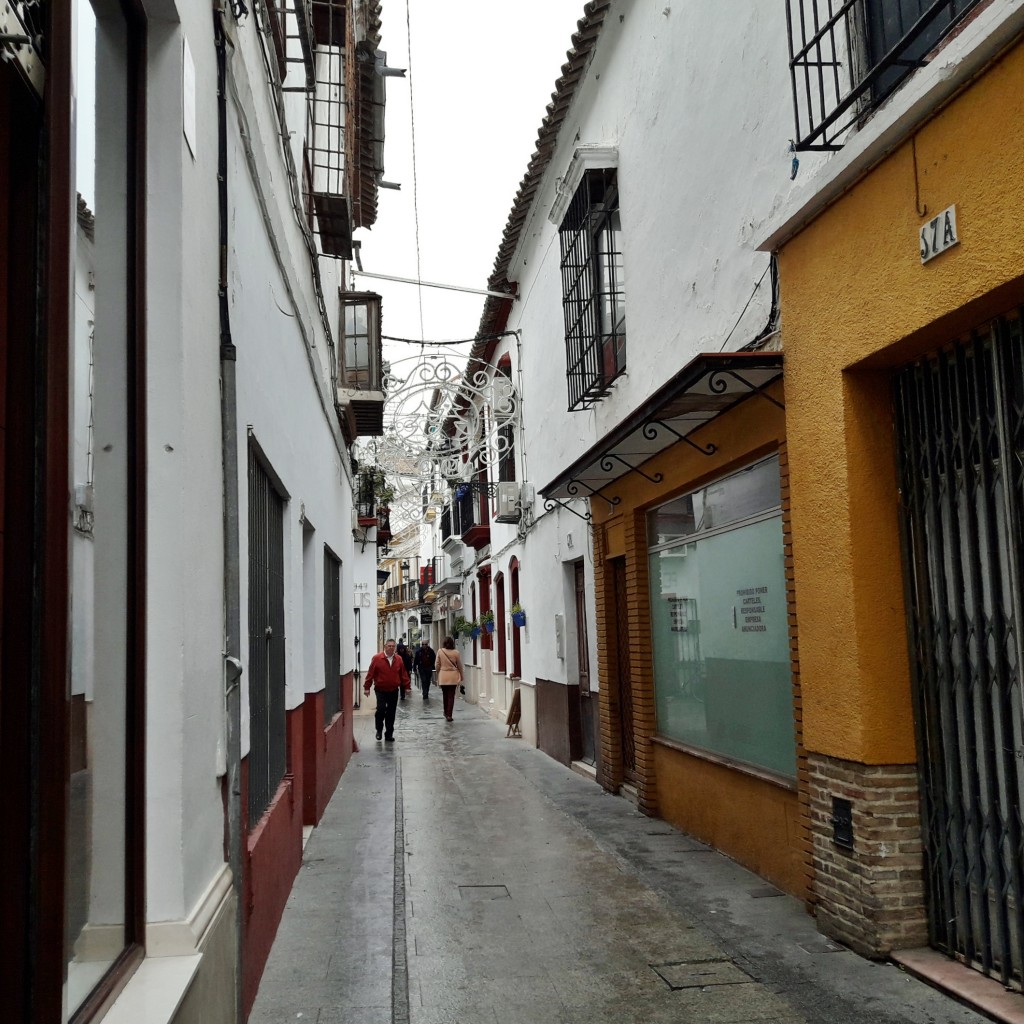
(449, 674)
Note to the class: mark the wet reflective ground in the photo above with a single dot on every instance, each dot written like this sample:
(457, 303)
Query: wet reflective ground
(459, 877)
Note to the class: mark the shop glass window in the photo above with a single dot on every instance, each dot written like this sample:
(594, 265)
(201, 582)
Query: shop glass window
(719, 620)
(101, 900)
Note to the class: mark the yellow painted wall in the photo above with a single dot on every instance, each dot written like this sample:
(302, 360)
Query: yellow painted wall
(856, 301)
(757, 823)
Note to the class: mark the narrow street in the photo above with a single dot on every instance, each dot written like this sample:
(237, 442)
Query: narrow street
(460, 877)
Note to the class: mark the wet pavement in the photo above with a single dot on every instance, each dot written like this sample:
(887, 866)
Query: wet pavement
(459, 877)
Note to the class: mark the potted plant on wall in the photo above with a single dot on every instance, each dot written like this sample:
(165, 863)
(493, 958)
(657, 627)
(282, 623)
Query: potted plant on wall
(518, 615)
(461, 627)
(474, 629)
(487, 620)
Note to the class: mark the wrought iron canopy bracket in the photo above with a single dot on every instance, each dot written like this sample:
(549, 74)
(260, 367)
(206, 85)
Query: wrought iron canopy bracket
(607, 464)
(551, 503)
(718, 385)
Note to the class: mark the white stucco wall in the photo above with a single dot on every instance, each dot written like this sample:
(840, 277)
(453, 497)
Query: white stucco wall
(695, 99)
(284, 393)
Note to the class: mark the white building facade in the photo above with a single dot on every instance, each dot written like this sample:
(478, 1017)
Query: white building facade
(665, 145)
(203, 372)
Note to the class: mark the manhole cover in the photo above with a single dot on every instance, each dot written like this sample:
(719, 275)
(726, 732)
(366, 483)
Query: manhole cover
(483, 892)
(702, 974)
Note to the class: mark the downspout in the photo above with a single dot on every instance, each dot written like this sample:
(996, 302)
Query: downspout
(232, 599)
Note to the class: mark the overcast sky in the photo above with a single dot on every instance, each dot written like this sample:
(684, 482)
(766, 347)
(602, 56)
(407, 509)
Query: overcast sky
(482, 74)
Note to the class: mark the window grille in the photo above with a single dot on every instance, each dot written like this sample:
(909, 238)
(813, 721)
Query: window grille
(593, 296)
(507, 453)
(332, 636)
(847, 59)
(267, 738)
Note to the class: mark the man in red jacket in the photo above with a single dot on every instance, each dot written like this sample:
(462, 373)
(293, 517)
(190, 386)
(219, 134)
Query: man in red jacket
(387, 672)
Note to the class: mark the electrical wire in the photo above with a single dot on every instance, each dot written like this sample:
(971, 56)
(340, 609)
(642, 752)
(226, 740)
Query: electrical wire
(746, 307)
(415, 182)
(463, 341)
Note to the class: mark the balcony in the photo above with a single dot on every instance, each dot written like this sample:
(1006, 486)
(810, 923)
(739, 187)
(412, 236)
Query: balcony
(470, 508)
(360, 397)
(383, 526)
(846, 60)
(365, 499)
(402, 596)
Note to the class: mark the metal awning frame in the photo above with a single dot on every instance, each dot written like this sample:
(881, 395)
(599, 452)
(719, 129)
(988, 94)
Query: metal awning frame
(709, 385)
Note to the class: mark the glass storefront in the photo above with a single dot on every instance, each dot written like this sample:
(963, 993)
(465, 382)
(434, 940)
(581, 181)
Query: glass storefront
(719, 619)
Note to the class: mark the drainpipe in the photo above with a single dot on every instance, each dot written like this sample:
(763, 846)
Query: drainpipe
(232, 600)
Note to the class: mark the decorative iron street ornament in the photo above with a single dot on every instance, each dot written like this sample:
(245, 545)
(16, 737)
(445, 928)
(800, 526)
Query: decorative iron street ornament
(443, 426)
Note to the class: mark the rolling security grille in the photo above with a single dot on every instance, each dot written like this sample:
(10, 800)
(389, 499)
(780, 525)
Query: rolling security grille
(960, 420)
(332, 636)
(593, 296)
(267, 740)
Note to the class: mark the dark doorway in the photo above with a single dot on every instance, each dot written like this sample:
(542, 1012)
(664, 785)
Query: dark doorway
(622, 686)
(588, 752)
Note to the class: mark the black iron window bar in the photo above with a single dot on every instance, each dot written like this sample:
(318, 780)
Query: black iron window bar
(592, 289)
(845, 62)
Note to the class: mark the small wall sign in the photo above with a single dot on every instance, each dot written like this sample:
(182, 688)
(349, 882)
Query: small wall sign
(939, 234)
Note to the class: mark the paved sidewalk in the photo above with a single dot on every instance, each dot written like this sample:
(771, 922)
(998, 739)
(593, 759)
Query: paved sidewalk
(530, 895)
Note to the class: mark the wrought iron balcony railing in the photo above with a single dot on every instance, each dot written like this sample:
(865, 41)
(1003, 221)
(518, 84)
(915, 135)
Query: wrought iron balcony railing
(847, 58)
(407, 593)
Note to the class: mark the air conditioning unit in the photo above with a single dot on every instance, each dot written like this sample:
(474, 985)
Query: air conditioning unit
(508, 502)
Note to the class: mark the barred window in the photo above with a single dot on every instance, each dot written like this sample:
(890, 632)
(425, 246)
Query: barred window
(593, 296)
(847, 59)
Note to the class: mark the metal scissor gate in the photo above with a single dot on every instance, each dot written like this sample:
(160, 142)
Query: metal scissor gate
(960, 437)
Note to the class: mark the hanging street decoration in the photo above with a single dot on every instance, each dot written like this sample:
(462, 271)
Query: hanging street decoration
(442, 427)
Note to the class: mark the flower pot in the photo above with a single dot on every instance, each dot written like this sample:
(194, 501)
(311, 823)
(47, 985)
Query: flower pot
(475, 632)
(519, 619)
(489, 626)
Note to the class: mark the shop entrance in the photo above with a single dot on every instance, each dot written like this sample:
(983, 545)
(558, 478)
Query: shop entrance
(960, 430)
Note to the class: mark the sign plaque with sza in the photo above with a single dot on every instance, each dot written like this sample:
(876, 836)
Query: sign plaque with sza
(939, 234)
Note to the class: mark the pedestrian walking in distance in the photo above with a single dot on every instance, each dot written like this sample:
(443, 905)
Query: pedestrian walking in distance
(388, 675)
(406, 655)
(449, 675)
(423, 662)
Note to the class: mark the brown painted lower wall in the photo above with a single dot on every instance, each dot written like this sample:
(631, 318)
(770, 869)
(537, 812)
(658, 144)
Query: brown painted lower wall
(327, 750)
(755, 822)
(558, 728)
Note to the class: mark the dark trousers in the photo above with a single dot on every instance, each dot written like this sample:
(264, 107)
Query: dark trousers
(387, 704)
(448, 692)
(425, 674)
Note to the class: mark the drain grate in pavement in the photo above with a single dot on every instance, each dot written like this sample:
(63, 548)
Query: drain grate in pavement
(483, 892)
(700, 974)
(764, 892)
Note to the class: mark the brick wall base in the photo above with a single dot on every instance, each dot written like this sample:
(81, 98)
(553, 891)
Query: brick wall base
(870, 898)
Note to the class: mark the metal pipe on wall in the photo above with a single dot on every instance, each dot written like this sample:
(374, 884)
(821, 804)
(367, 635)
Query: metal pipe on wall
(232, 597)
